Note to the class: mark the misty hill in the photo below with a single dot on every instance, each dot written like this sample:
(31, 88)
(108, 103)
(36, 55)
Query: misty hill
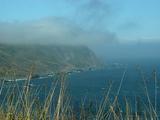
(46, 58)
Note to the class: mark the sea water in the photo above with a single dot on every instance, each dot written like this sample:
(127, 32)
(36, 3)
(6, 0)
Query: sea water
(93, 85)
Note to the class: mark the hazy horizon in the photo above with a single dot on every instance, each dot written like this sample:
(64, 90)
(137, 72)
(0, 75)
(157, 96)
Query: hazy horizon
(110, 28)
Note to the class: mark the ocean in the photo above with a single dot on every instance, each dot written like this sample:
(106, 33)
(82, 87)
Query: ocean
(91, 86)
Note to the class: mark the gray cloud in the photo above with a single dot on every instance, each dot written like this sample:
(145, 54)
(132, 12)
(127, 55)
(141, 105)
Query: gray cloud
(52, 30)
(91, 13)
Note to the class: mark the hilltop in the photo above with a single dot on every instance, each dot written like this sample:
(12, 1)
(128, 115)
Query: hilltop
(46, 58)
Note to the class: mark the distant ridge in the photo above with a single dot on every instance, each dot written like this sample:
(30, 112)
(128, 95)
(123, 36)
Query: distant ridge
(46, 58)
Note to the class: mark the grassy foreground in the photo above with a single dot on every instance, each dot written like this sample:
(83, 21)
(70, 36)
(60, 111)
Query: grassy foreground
(22, 103)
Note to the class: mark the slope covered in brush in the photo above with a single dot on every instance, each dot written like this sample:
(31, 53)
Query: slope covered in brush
(46, 58)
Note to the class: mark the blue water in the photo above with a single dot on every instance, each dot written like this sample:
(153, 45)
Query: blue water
(91, 85)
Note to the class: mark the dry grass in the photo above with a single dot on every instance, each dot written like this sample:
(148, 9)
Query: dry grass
(21, 103)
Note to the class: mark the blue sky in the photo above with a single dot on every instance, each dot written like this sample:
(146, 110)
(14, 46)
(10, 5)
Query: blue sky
(128, 20)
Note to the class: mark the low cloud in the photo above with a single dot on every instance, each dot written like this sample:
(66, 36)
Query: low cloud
(52, 30)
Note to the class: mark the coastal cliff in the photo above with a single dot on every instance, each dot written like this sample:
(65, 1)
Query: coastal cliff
(46, 58)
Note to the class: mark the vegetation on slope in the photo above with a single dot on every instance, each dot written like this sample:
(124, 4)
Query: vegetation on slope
(46, 58)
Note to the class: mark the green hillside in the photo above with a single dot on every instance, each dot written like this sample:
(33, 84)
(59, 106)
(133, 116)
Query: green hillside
(46, 58)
